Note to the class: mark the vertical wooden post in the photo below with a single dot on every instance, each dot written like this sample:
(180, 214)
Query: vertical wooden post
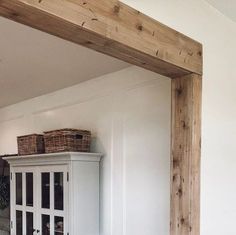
(185, 157)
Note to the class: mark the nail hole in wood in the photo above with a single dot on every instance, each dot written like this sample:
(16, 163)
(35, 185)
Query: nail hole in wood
(139, 27)
(190, 53)
(174, 178)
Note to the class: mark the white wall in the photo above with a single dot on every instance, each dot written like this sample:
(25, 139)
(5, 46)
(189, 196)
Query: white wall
(200, 21)
(128, 113)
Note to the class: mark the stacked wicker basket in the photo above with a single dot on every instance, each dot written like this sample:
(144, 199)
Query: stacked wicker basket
(64, 140)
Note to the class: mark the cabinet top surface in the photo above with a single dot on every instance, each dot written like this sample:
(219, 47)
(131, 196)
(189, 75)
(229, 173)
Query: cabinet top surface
(55, 157)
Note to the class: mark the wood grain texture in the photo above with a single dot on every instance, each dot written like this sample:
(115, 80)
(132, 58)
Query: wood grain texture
(186, 152)
(113, 28)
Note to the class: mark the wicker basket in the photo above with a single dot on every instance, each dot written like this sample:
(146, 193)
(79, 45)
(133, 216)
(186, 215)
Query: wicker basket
(30, 144)
(67, 140)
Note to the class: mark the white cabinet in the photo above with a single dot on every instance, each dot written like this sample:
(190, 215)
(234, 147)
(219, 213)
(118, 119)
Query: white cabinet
(55, 194)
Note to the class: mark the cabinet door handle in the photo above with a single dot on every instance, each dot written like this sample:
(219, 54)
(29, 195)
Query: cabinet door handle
(38, 231)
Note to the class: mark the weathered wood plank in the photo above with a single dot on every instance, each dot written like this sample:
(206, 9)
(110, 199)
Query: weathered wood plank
(186, 151)
(113, 28)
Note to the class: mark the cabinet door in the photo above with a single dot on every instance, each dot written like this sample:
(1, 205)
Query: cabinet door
(53, 200)
(23, 201)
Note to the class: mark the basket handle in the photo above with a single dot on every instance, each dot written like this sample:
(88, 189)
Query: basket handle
(79, 137)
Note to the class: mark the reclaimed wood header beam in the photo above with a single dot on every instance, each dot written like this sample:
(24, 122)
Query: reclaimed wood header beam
(113, 28)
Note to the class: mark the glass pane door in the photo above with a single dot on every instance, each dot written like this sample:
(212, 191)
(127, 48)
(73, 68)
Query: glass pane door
(29, 177)
(40, 200)
(23, 201)
(45, 190)
(19, 188)
(53, 200)
(29, 223)
(59, 225)
(45, 224)
(58, 184)
(19, 222)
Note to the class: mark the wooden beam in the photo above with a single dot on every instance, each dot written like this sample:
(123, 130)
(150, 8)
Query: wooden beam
(186, 151)
(113, 28)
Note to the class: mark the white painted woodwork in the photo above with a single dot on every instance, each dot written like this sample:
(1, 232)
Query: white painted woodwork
(81, 190)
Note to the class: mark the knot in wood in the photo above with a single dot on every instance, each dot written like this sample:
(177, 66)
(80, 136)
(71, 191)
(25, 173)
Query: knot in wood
(184, 125)
(180, 192)
(179, 91)
(199, 53)
(14, 14)
(116, 9)
(175, 163)
(88, 43)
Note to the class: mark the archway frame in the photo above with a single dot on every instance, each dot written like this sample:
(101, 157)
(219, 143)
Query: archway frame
(113, 28)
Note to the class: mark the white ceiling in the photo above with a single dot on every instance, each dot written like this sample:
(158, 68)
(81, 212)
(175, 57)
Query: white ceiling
(33, 63)
(227, 7)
